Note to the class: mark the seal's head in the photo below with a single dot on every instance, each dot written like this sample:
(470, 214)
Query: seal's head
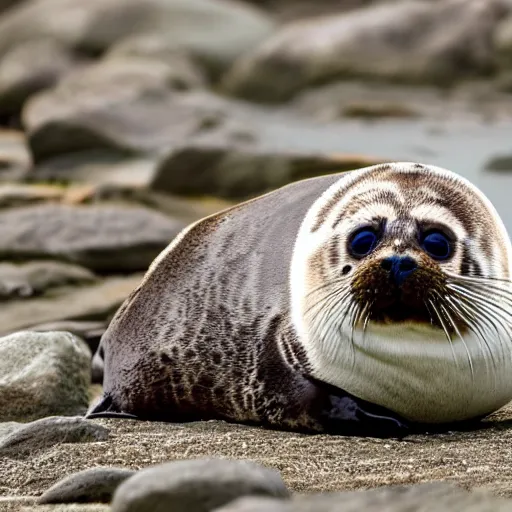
(401, 292)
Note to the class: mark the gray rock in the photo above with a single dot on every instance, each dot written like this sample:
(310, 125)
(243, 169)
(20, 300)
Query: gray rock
(216, 31)
(182, 71)
(43, 374)
(196, 486)
(15, 159)
(96, 485)
(405, 41)
(503, 43)
(47, 432)
(34, 278)
(97, 166)
(500, 163)
(94, 302)
(21, 194)
(242, 172)
(104, 238)
(29, 68)
(119, 107)
(431, 497)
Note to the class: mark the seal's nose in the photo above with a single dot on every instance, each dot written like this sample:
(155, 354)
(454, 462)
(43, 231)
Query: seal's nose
(399, 267)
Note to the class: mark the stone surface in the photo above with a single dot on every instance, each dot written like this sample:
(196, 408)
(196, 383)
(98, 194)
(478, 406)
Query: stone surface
(196, 486)
(216, 31)
(183, 72)
(104, 238)
(420, 41)
(503, 43)
(28, 279)
(94, 302)
(15, 159)
(120, 106)
(434, 497)
(95, 485)
(237, 173)
(43, 374)
(47, 432)
(19, 194)
(29, 68)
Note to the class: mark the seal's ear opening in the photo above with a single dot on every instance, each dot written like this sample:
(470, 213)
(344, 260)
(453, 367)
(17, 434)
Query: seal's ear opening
(105, 408)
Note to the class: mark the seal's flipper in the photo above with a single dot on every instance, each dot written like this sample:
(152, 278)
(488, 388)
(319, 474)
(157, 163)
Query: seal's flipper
(343, 414)
(106, 409)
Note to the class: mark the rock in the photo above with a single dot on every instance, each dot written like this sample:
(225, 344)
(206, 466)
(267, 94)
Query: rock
(499, 163)
(96, 166)
(34, 278)
(503, 43)
(104, 238)
(183, 72)
(217, 32)
(419, 42)
(242, 172)
(96, 485)
(44, 433)
(94, 302)
(29, 68)
(293, 9)
(19, 194)
(120, 107)
(196, 486)
(14, 155)
(430, 497)
(89, 331)
(43, 374)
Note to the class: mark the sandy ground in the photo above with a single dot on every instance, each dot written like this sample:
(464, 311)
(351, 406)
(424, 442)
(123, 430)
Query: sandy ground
(478, 459)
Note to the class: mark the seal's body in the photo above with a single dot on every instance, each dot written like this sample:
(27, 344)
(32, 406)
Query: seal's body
(333, 304)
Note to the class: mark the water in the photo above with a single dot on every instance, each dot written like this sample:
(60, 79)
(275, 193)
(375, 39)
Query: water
(463, 147)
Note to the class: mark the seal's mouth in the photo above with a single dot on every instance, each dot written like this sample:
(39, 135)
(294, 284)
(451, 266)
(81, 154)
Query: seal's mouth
(402, 310)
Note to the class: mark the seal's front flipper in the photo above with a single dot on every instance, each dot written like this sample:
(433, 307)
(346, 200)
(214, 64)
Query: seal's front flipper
(105, 409)
(346, 416)
(343, 414)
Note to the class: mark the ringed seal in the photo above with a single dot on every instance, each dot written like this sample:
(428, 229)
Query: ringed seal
(357, 303)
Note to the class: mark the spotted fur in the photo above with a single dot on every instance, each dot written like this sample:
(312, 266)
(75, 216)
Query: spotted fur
(218, 328)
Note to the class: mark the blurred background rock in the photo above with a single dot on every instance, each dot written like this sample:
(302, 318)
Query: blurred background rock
(121, 121)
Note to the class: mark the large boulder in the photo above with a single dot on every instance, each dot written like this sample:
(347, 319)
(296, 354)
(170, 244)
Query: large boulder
(217, 31)
(420, 41)
(240, 172)
(43, 374)
(107, 238)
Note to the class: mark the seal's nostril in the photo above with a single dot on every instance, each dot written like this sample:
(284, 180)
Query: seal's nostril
(407, 264)
(387, 264)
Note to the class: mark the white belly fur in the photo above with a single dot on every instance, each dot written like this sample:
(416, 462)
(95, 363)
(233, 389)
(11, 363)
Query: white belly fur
(411, 370)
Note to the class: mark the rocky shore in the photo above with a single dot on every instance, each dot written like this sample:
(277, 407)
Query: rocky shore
(121, 122)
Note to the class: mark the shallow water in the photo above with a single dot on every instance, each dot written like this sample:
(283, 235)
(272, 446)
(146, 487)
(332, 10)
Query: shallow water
(463, 147)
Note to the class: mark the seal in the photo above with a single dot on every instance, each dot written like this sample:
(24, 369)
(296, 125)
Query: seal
(355, 303)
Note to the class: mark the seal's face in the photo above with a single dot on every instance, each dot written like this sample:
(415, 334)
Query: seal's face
(399, 271)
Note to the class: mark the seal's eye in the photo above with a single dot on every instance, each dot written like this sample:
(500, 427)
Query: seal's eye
(437, 245)
(363, 242)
